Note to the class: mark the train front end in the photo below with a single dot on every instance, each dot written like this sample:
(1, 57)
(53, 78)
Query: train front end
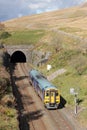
(52, 99)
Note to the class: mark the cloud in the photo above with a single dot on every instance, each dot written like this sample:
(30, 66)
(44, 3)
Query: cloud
(16, 8)
(39, 6)
(35, 5)
(20, 15)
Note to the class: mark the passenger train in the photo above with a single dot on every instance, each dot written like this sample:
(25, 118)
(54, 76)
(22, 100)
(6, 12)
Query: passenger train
(48, 93)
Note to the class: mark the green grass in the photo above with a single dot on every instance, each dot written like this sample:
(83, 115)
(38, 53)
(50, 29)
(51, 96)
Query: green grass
(67, 81)
(25, 37)
(65, 41)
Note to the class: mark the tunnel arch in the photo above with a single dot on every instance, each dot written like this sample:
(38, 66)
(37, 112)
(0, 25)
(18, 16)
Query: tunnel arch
(17, 57)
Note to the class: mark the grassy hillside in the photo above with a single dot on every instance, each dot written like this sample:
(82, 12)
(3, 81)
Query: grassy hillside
(63, 33)
(73, 18)
(32, 29)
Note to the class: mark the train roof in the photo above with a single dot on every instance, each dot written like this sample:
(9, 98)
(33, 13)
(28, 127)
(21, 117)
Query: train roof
(43, 82)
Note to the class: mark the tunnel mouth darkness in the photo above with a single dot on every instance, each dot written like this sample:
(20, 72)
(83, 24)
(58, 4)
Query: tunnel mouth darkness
(18, 57)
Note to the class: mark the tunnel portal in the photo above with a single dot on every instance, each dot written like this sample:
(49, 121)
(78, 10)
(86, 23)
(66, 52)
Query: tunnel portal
(18, 57)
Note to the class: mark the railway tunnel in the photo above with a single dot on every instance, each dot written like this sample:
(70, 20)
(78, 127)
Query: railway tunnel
(18, 57)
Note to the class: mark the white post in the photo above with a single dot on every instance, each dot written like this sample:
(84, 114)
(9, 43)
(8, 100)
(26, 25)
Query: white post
(49, 67)
(72, 91)
(75, 103)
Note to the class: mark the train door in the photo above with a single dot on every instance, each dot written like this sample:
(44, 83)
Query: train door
(52, 97)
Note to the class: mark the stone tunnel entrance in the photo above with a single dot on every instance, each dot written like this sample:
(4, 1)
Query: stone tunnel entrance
(17, 57)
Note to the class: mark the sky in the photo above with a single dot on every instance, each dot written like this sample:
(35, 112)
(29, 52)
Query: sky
(10, 9)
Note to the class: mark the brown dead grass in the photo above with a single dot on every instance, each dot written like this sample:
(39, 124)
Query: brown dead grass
(71, 17)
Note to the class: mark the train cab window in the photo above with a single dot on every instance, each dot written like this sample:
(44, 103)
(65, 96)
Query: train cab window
(47, 93)
(52, 94)
(56, 93)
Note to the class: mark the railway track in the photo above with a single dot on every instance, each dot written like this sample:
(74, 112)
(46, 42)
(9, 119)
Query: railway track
(30, 112)
(36, 115)
(60, 120)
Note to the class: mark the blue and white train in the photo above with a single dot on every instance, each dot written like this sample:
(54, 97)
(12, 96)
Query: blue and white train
(48, 93)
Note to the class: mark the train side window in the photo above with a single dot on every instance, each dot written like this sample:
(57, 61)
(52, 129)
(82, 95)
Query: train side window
(32, 78)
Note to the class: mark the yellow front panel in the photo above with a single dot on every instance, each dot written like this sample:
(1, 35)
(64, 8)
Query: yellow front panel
(57, 97)
(46, 99)
(52, 97)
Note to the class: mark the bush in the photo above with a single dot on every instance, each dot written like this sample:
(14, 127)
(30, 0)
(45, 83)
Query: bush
(5, 35)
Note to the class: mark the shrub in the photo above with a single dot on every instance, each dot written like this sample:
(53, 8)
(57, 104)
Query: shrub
(5, 35)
